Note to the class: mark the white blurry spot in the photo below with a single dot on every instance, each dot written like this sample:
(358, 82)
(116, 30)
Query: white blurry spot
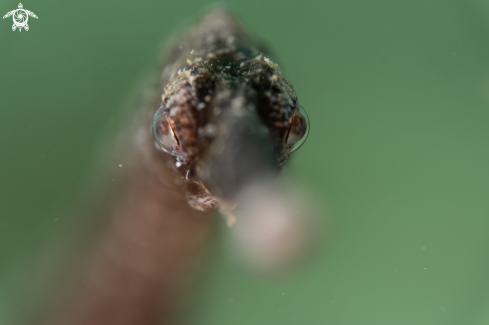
(178, 164)
(423, 248)
(210, 130)
(201, 106)
(274, 225)
(120, 165)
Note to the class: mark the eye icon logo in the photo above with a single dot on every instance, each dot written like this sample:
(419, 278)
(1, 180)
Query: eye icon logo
(20, 17)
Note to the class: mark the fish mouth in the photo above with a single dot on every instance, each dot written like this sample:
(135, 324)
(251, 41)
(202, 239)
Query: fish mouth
(241, 153)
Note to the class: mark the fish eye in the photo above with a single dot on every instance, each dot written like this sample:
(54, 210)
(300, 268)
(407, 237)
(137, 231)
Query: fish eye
(298, 129)
(164, 133)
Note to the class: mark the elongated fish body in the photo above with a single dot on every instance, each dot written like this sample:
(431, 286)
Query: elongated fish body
(223, 117)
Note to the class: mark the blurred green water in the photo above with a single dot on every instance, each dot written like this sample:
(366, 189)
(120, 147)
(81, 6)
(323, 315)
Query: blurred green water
(398, 96)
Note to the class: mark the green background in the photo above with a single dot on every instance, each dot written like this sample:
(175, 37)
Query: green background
(398, 97)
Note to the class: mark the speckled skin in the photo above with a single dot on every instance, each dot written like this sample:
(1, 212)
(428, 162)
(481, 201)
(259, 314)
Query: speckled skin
(215, 75)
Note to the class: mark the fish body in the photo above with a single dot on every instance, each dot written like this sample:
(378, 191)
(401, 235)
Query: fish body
(222, 118)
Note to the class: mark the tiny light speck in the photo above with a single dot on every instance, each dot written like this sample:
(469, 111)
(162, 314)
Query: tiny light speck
(423, 248)
(120, 165)
(426, 269)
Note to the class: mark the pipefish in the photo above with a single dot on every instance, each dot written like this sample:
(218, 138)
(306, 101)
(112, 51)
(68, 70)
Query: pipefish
(225, 119)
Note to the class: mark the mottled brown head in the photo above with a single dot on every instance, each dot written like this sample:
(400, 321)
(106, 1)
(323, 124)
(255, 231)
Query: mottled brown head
(227, 115)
